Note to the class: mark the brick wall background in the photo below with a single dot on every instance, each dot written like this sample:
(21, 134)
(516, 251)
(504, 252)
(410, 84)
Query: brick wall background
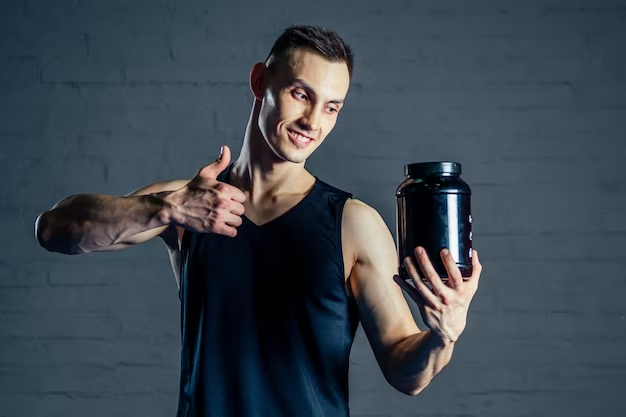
(105, 97)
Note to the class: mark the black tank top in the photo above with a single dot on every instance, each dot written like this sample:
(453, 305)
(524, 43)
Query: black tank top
(267, 322)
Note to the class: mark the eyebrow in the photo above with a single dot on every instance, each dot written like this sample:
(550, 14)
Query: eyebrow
(306, 86)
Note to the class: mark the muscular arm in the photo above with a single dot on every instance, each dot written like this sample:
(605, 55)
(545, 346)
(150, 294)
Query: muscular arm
(86, 223)
(102, 223)
(409, 358)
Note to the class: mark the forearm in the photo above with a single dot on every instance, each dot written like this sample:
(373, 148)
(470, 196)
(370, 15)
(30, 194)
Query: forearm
(416, 360)
(85, 222)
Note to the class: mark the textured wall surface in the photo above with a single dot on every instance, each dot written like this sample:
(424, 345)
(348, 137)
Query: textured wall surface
(107, 96)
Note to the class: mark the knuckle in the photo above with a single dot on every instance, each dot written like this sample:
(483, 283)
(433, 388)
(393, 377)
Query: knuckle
(221, 203)
(212, 193)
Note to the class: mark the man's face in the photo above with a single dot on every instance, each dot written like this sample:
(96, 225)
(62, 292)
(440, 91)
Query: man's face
(302, 99)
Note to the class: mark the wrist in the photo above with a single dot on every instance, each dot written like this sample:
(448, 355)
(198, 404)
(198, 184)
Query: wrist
(441, 338)
(165, 206)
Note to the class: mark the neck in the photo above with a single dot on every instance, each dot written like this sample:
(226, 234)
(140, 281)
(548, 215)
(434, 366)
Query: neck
(260, 173)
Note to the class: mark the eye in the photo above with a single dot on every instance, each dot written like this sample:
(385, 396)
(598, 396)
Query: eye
(300, 95)
(332, 110)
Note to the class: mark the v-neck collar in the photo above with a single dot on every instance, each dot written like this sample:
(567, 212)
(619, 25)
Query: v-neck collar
(308, 198)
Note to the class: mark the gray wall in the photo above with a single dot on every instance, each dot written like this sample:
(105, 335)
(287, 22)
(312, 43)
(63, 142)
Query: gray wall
(105, 97)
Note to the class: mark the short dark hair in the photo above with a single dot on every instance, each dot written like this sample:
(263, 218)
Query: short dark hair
(325, 41)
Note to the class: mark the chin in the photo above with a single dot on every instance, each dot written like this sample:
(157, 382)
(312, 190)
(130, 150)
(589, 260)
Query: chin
(295, 156)
(301, 155)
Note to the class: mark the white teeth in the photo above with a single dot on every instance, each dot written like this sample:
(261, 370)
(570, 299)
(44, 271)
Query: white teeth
(300, 137)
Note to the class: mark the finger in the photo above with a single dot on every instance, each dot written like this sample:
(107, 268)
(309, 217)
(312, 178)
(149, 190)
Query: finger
(455, 278)
(420, 286)
(233, 220)
(409, 289)
(409, 265)
(235, 193)
(406, 287)
(237, 208)
(216, 167)
(427, 294)
(477, 269)
(430, 272)
(224, 155)
(226, 230)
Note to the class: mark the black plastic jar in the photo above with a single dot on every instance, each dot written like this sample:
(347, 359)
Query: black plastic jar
(433, 211)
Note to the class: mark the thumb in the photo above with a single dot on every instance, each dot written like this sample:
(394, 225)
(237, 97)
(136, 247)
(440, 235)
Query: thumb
(219, 165)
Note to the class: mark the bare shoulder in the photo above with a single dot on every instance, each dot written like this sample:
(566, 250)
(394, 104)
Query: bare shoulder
(360, 217)
(357, 206)
(364, 229)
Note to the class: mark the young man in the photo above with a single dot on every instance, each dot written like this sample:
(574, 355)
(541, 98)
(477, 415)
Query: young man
(275, 267)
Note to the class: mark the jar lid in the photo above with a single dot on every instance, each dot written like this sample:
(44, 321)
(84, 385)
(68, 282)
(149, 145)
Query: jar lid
(421, 169)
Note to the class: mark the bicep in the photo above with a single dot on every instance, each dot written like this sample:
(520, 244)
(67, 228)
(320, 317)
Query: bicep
(383, 310)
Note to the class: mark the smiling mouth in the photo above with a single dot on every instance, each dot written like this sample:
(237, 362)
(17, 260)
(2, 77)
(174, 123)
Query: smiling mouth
(299, 136)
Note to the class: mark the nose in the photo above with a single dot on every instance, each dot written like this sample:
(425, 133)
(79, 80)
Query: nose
(311, 119)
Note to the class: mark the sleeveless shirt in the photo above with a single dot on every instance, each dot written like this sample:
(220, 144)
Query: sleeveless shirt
(267, 323)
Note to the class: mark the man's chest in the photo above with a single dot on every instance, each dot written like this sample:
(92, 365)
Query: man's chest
(272, 214)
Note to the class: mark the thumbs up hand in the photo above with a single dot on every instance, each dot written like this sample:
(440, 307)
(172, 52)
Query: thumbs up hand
(206, 205)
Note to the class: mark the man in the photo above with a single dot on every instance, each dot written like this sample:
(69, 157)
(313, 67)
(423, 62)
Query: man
(271, 299)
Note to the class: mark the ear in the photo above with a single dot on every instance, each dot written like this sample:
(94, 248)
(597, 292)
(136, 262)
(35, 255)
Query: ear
(258, 73)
